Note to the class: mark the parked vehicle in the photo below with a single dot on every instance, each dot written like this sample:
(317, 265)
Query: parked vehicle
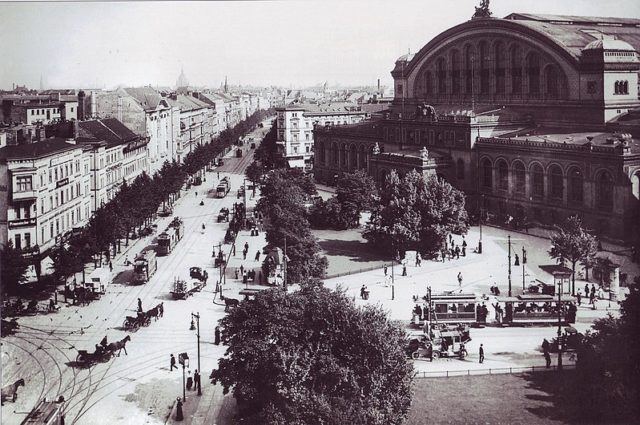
(199, 274)
(98, 280)
(184, 288)
(223, 215)
(165, 210)
(197, 181)
(144, 266)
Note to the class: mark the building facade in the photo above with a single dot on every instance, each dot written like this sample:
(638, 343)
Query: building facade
(518, 113)
(295, 125)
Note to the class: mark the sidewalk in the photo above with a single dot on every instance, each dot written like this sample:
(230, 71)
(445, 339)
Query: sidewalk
(211, 408)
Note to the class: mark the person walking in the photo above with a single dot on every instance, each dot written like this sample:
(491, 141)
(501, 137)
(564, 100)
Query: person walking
(464, 247)
(404, 270)
(233, 248)
(586, 290)
(257, 257)
(457, 251)
(244, 254)
(385, 270)
(241, 268)
(139, 305)
(246, 246)
(579, 297)
(237, 273)
(460, 280)
(172, 363)
(216, 336)
(444, 254)
(110, 266)
(196, 381)
(481, 353)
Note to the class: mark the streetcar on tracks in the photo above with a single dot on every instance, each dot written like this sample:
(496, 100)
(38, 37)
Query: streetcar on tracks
(46, 413)
(455, 308)
(144, 266)
(168, 239)
(538, 309)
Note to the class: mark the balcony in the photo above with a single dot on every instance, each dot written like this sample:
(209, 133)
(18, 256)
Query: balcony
(26, 195)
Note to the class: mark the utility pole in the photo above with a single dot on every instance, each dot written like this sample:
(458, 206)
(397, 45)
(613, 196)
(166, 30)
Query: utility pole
(509, 262)
(284, 260)
(559, 325)
(524, 260)
(197, 317)
(393, 287)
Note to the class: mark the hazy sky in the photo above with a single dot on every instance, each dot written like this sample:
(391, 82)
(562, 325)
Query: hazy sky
(80, 44)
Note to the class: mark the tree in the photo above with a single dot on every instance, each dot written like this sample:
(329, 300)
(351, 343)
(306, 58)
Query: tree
(607, 380)
(416, 212)
(13, 267)
(571, 242)
(313, 357)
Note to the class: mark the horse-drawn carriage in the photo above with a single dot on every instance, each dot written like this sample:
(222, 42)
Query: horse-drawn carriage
(9, 326)
(103, 352)
(17, 308)
(184, 288)
(199, 274)
(223, 215)
(143, 318)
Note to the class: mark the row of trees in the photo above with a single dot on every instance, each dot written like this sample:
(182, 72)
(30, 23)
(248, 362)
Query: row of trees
(313, 357)
(132, 208)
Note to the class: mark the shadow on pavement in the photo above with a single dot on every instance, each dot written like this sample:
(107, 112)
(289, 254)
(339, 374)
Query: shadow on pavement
(355, 250)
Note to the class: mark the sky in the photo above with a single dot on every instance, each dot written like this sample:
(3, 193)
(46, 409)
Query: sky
(284, 43)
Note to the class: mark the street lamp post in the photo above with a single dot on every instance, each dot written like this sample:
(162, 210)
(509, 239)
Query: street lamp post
(524, 261)
(197, 317)
(393, 281)
(183, 359)
(509, 261)
(559, 325)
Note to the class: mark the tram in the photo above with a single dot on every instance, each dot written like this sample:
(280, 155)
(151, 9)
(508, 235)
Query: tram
(538, 309)
(454, 308)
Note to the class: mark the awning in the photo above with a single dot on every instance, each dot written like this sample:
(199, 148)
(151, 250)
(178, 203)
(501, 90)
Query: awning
(296, 163)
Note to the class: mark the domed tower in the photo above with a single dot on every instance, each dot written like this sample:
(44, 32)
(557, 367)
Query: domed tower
(611, 75)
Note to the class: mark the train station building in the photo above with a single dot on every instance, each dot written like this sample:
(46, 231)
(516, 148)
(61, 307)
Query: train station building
(536, 117)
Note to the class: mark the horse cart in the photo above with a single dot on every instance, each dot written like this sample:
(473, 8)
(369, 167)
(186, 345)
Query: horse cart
(100, 355)
(184, 288)
(199, 274)
(134, 322)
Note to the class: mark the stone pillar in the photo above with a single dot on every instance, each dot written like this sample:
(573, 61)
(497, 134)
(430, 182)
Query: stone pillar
(614, 288)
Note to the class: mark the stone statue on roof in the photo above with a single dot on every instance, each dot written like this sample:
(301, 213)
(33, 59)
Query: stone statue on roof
(424, 153)
(376, 149)
(483, 10)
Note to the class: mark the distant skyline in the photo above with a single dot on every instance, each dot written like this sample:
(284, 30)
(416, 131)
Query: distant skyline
(284, 43)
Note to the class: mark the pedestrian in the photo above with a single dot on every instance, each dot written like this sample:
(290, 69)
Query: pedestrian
(245, 278)
(179, 415)
(257, 257)
(464, 251)
(362, 292)
(600, 293)
(244, 254)
(189, 380)
(218, 175)
(404, 270)
(547, 359)
(592, 298)
(237, 273)
(216, 336)
(385, 270)
(451, 239)
(457, 252)
(233, 248)
(545, 345)
(586, 289)
(419, 259)
(126, 260)
(104, 341)
(52, 305)
(196, 381)
(444, 254)
(593, 289)
(579, 297)
(460, 280)
(246, 246)
(139, 305)
(241, 268)
(481, 353)
(110, 266)
(173, 363)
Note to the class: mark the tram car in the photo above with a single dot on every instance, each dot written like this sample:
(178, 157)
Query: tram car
(454, 308)
(168, 239)
(46, 413)
(538, 309)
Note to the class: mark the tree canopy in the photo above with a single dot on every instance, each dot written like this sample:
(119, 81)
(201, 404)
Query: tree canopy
(416, 212)
(571, 242)
(13, 267)
(282, 203)
(313, 357)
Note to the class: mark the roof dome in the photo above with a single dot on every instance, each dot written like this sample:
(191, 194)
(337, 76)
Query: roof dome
(609, 44)
(405, 58)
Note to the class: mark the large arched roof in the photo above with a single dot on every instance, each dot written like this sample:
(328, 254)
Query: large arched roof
(565, 35)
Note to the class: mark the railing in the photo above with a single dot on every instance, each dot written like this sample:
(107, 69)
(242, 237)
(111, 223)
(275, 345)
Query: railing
(491, 371)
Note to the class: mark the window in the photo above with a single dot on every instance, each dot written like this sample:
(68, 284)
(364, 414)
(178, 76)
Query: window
(551, 81)
(455, 72)
(516, 69)
(557, 182)
(500, 65)
(533, 73)
(27, 240)
(575, 185)
(483, 54)
(18, 241)
(503, 175)
(520, 177)
(334, 151)
(621, 87)
(604, 190)
(354, 156)
(23, 184)
(306, 136)
(442, 76)
(537, 181)
(460, 169)
(487, 173)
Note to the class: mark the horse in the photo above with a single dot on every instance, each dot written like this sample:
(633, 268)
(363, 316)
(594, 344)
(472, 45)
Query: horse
(161, 309)
(11, 391)
(154, 312)
(119, 345)
(230, 302)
